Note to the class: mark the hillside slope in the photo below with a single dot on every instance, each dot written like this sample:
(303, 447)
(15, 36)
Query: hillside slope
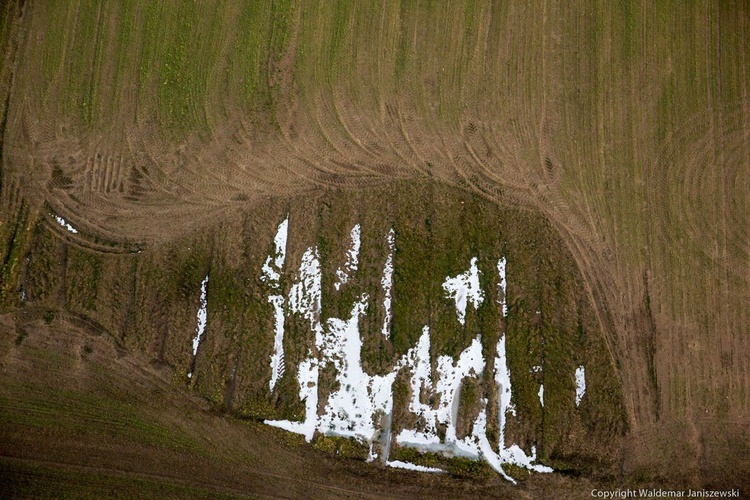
(604, 150)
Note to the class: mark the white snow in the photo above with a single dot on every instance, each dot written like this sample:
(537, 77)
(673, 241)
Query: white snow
(361, 406)
(516, 456)
(470, 362)
(65, 224)
(450, 376)
(275, 263)
(201, 317)
(304, 299)
(417, 360)
(352, 259)
(277, 357)
(580, 383)
(502, 378)
(351, 410)
(307, 377)
(541, 395)
(479, 438)
(280, 242)
(502, 285)
(272, 269)
(387, 282)
(512, 454)
(464, 287)
(410, 466)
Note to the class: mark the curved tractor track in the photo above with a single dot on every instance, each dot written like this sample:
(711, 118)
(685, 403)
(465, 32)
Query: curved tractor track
(628, 127)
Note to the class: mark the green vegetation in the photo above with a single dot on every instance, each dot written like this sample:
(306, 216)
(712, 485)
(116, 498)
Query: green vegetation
(94, 414)
(341, 447)
(13, 236)
(45, 481)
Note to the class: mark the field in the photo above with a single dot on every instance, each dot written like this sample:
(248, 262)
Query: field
(603, 148)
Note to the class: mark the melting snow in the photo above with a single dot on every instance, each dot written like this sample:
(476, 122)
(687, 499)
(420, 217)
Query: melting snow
(479, 439)
(502, 378)
(387, 282)
(580, 383)
(307, 377)
(417, 359)
(502, 285)
(65, 224)
(351, 409)
(450, 376)
(541, 395)
(410, 466)
(277, 358)
(272, 274)
(201, 317)
(352, 259)
(513, 454)
(361, 407)
(470, 362)
(304, 299)
(274, 264)
(464, 287)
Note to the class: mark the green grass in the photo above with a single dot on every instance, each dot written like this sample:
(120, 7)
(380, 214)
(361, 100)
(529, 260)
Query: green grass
(84, 271)
(34, 480)
(75, 412)
(178, 57)
(14, 236)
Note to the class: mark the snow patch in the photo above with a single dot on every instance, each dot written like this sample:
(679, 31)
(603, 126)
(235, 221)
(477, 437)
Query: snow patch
(307, 378)
(271, 273)
(502, 285)
(479, 437)
(469, 363)
(277, 357)
(352, 409)
(387, 282)
(361, 406)
(410, 466)
(512, 454)
(463, 288)
(352, 259)
(417, 360)
(65, 224)
(580, 384)
(450, 376)
(541, 395)
(502, 379)
(200, 317)
(304, 297)
(275, 263)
